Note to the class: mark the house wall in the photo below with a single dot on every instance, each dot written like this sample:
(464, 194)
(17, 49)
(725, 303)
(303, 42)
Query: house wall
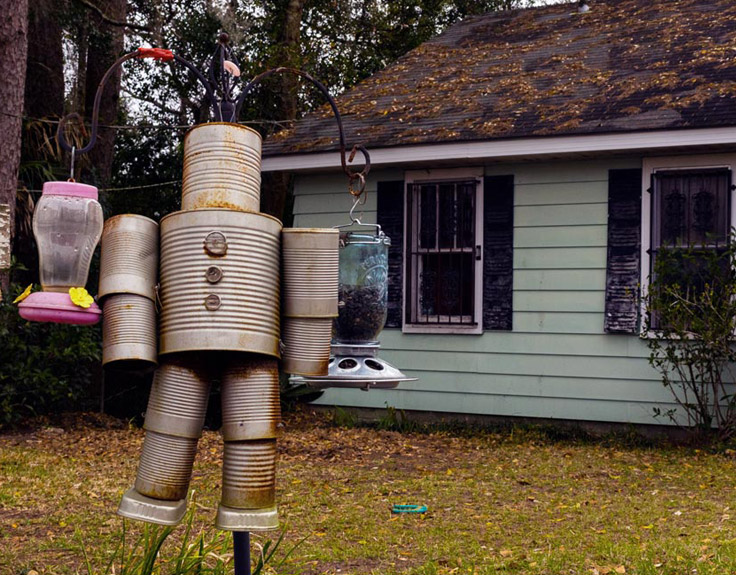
(557, 362)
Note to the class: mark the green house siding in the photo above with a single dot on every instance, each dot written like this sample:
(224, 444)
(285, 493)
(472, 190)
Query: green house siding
(557, 362)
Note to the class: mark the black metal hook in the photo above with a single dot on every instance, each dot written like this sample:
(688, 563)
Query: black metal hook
(360, 176)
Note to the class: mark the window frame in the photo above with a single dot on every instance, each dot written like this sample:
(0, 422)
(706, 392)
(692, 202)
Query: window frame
(651, 166)
(444, 175)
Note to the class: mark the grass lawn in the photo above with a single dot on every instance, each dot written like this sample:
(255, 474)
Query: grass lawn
(505, 502)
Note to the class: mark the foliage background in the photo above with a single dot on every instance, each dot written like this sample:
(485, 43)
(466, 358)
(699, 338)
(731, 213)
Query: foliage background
(144, 114)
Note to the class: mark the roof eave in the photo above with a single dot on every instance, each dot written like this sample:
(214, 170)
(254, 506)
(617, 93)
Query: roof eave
(514, 149)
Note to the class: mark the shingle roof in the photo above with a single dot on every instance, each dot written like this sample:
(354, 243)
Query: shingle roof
(627, 65)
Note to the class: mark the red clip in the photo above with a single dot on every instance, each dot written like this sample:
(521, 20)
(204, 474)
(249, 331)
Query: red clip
(156, 53)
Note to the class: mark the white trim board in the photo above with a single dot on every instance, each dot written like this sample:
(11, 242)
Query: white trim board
(513, 148)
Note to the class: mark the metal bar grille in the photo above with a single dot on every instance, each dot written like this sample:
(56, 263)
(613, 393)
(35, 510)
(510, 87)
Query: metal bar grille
(690, 210)
(441, 253)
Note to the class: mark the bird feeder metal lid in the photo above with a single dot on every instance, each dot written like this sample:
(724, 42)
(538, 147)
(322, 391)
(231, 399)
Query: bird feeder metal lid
(364, 237)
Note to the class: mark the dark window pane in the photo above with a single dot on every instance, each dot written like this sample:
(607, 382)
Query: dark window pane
(448, 216)
(673, 210)
(447, 284)
(428, 216)
(692, 208)
(466, 201)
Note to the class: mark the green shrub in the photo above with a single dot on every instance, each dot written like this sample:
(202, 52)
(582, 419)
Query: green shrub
(44, 367)
(690, 313)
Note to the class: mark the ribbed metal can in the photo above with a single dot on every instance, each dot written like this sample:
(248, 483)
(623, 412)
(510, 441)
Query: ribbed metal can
(310, 263)
(249, 474)
(222, 168)
(220, 282)
(306, 348)
(165, 466)
(129, 256)
(129, 331)
(177, 404)
(250, 399)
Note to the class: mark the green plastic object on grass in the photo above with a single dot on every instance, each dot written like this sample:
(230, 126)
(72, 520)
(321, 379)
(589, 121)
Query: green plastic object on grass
(409, 509)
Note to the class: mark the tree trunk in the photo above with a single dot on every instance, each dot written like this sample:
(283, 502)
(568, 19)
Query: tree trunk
(44, 99)
(44, 91)
(277, 186)
(13, 49)
(105, 46)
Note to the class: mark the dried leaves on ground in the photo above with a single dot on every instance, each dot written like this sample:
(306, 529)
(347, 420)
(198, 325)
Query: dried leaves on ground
(498, 502)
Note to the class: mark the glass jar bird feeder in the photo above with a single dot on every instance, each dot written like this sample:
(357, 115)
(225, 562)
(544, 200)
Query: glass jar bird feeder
(363, 290)
(362, 308)
(67, 225)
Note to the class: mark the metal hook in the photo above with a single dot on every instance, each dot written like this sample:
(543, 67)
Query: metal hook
(338, 118)
(71, 170)
(361, 187)
(359, 201)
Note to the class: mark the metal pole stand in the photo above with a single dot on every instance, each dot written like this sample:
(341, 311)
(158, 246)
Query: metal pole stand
(241, 552)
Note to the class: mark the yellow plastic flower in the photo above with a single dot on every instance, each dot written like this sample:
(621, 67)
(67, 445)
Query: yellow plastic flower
(80, 297)
(24, 295)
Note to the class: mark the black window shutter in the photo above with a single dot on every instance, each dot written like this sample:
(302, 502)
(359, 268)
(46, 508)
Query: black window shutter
(624, 244)
(390, 216)
(498, 252)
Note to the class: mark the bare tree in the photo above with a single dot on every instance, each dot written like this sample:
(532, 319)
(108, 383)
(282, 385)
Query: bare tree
(13, 48)
(105, 46)
(276, 186)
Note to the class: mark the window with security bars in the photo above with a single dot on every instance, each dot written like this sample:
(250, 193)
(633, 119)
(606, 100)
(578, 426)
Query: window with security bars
(444, 259)
(690, 208)
(690, 216)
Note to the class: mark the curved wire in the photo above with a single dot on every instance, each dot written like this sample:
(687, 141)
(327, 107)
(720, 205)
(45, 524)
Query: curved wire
(61, 130)
(232, 112)
(360, 176)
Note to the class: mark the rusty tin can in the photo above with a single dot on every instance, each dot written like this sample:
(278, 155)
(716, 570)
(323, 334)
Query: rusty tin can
(249, 474)
(306, 345)
(165, 466)
(129, 331)
(310, 263)
(222, 168)
(177, 404)
(129, 256)
(220, 282)
(251, 408)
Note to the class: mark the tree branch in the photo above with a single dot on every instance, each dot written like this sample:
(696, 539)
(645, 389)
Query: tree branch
(110, 20)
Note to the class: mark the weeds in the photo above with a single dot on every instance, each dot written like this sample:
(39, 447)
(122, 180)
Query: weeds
(208, 553)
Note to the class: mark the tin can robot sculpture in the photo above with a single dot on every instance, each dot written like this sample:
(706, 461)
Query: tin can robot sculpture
(217, 291)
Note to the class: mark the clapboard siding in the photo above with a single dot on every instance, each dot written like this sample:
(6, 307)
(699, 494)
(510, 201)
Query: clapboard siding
(558, 387)
(503, 405)
(329, 219)
(572, 345)
(545, 258)
(554, 215)
(561, 236)
(562, 194)
(556, 280)
(557, 362)
(559, 300)
(614, 368)
(314, 203)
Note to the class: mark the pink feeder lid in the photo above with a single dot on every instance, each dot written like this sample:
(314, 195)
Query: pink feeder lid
(57, 308)
(70, 189)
